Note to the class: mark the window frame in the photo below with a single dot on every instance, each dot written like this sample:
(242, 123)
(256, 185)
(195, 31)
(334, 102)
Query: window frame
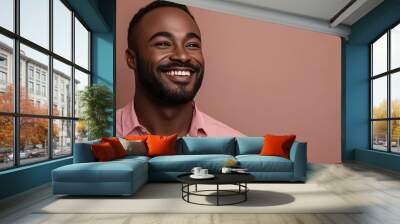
(16, 115)
(388, 74)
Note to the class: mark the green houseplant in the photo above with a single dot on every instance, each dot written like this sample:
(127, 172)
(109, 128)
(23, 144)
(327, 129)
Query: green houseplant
(96, 103)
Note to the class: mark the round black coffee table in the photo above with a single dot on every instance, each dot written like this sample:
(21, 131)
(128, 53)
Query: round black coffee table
(238, 179)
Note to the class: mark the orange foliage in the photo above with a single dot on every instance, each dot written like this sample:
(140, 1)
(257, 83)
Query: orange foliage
(33, 130)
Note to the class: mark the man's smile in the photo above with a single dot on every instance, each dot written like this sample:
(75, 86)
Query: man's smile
(181, 76)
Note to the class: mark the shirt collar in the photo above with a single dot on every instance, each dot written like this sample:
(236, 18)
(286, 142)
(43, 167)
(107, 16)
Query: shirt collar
(131, 122)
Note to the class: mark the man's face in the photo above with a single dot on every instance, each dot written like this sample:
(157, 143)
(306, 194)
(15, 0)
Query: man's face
(169, 59)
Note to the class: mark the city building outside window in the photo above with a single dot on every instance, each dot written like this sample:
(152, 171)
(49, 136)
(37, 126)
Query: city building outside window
(385, 91)
(41, 128)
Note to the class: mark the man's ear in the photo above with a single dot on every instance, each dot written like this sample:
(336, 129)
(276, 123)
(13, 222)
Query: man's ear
(131, 59)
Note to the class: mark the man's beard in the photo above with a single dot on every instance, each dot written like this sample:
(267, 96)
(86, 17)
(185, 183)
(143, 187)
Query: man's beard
(151, 81)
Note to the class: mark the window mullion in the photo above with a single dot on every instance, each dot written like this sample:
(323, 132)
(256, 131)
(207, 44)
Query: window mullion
(16, 70)
(371, 89)
(73, 83)
(50, 81)
(389, 101)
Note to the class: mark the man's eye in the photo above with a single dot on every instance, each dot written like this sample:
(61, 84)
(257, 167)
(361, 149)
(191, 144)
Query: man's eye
(193, 45)
(163, 44)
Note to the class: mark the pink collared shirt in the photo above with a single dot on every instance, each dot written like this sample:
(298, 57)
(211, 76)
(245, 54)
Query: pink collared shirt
(202, 125)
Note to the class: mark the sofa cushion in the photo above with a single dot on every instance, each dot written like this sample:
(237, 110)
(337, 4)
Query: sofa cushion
(103, 152)
(277, 145)
(249, 145)
(185, 163)
(257, 163)
(206, 145)
(116, 145)
(161, 145)
(134, 147)
(112, 171)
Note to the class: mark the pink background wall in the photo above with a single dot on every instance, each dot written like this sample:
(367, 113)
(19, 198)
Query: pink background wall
(260, 78)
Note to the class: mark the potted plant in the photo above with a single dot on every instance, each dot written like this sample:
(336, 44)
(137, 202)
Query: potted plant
(96, 102)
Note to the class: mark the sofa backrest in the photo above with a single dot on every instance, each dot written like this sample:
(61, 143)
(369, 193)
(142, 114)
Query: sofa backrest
(206, 145)
(249, 145)
(83, 152)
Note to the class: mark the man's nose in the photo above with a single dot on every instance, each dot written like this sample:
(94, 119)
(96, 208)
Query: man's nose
(180, 54)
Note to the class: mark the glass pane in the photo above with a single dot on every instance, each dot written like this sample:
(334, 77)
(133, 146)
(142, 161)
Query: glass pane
(62, 89)
(81, 81)
(81, 131)
(33, 140)
(395, 94)
(395, 136)
(62, 29)
(7, 14)
(6, 74)
(379, 97)
(35, 21)
(379, 135)
(34, 81)
(62, 138)
(379, 55)
(81, 45)
(395, 47)
(6, 142)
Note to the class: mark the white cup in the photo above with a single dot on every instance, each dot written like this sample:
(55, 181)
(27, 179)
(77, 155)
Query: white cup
(203, 172)
(226, 170)
(196, 171)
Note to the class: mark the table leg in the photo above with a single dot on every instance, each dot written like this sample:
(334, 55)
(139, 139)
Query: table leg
(196, 188)
(188, 190)
(217, 194)
(245, 193)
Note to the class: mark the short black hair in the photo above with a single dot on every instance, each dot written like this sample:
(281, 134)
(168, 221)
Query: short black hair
(148, 8)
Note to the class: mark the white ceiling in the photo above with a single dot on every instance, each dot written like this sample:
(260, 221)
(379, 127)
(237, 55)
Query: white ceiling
(315, 15)
(319, 9)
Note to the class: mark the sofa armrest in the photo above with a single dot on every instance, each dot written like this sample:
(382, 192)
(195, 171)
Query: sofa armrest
(298, 155)
(83, 152)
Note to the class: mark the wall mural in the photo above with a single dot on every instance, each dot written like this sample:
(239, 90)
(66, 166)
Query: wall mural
(195, 72)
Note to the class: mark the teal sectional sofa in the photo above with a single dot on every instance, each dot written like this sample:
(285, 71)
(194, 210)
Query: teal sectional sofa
(125, 176)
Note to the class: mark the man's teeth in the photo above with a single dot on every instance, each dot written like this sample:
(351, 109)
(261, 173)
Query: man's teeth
(178, 73)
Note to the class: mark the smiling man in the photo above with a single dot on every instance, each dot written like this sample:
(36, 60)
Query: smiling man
(165, 53)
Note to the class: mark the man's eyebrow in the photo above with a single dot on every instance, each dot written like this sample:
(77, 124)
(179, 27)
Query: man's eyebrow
(169, 35)
(163, 34)
(193, 35)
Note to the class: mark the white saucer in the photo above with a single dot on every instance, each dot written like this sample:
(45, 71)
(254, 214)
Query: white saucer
(208, 176)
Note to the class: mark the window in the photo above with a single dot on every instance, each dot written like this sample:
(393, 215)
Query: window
(7, 14)
(30, 72)
(3, 72)
(53, 47)
(3, 61)
(38, 89)
(38, 73)
(43, 90)
(3, 78)
(385, 91)
(30, 87)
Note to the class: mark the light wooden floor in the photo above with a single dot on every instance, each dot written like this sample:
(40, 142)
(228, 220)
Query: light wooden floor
(353, 182)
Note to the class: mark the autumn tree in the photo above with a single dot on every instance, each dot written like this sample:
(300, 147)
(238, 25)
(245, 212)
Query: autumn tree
(33, 131)
(380, 127)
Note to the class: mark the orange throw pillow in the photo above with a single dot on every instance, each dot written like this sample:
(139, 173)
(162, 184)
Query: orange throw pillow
(116, 145)
(277, 145)
(103, 152)
(136, 137)
(161, 145)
